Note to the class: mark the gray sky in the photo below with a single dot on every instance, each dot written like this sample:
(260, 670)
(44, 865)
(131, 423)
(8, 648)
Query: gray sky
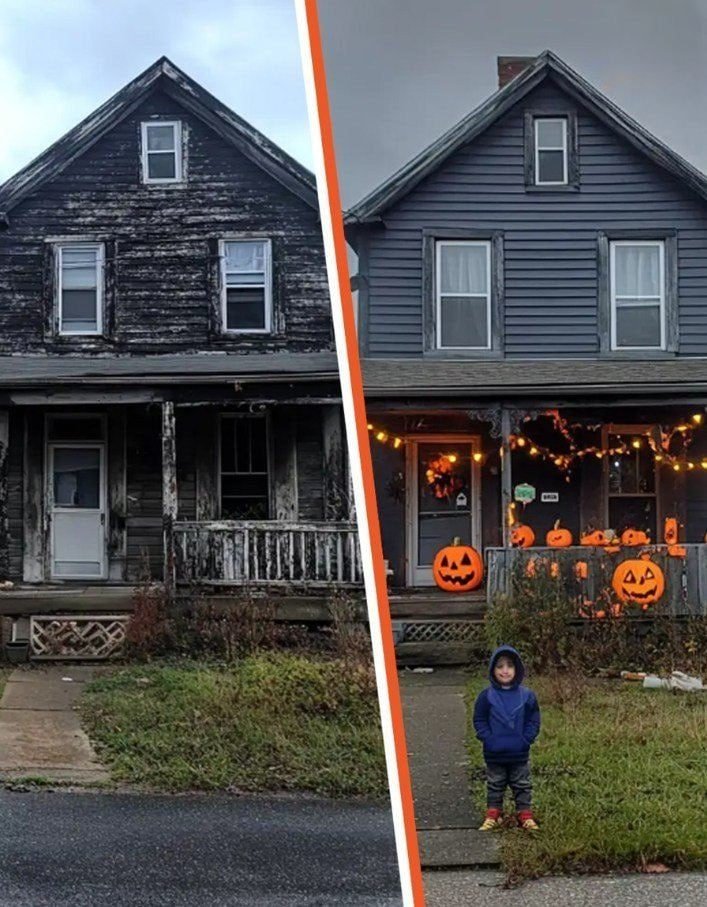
(60, 59)
(400, 72)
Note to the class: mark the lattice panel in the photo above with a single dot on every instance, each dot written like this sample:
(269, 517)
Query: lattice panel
(70, 636)
(442, 631)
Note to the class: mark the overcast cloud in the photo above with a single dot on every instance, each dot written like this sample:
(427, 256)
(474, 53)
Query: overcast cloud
(60, 59)
(400, 72)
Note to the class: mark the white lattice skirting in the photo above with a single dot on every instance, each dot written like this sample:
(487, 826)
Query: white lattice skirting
(70, 636)
(442, 631)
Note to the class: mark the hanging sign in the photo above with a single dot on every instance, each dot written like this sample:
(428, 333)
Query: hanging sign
(524, 493)
(549, 497)
(461, 500)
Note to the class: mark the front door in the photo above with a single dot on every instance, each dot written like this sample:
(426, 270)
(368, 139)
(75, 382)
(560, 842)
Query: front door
(443, 500)
(77, 510)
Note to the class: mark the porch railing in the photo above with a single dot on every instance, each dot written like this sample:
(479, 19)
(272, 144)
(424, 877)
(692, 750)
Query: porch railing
(227, 552)
(685, 578)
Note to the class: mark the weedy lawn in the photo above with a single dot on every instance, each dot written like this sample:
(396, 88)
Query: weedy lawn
(619, 775)
(269, 722)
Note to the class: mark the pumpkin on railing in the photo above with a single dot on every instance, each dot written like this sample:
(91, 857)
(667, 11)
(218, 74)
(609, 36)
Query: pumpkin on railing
(558, 537)
(632, 538)
(522, 536)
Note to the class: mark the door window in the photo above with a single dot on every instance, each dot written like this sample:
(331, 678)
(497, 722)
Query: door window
(77, 473)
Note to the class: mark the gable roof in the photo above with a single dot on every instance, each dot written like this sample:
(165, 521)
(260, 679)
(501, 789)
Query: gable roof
(163, 75)
(466, 130)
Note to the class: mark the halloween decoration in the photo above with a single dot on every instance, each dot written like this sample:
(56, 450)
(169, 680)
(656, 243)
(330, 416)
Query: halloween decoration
(558, 538)
(522, 536)
(677, 551)
(458, 568)
(581, 570)
(638, 580)
(554, 569)
(671, 531)
(634, 537)
(596, 537)
(441, 477)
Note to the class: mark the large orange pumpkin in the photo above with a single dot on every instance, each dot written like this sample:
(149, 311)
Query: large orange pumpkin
(638, 580)
(596, 537)
(558, 538)
(458, 568)
(671, 531)
(634, 537)
(522, 536)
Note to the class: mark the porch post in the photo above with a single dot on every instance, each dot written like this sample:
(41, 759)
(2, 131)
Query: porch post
(169, 493)
(506, 477)
(335, 482)
(4, 519)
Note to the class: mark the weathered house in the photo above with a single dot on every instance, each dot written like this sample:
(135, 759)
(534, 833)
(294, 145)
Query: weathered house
(533, 331)
(169, 396)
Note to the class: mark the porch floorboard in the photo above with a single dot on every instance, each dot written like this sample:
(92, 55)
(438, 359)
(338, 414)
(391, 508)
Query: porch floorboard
(433, 604)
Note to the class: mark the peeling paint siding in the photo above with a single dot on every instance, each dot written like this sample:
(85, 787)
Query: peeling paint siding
(310, 489)
(14, 492)
(550, 239)
(163, 279)
(144, 473)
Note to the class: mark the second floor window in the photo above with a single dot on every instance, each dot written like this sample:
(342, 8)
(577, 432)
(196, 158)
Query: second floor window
(80, 288)
(550, 151)
(463, 294)
(246, 286)
(637, 288)
(162, 152)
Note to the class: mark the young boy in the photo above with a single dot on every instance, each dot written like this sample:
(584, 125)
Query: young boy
(507, 721)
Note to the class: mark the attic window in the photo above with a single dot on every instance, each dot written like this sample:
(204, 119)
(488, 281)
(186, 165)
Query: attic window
(162, 151)
(550, 151)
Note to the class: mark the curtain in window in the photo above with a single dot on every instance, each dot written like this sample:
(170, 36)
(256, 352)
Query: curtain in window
(638, 271)
(245, 256)
(463, 270)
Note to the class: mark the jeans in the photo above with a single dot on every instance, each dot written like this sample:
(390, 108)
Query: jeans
(516, 776)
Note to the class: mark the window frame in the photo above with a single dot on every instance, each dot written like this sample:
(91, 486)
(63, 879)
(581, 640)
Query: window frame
(662, 301)
(439, 245)
(59, 249)
(571, 136)
(644, 430)
(671, 337)
(178, 152)
(564, 149)
(265, 417)
(267, 286)
(430, 238)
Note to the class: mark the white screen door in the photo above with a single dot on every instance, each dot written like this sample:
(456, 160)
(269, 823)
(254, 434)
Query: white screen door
(443, 501)
(77, 510)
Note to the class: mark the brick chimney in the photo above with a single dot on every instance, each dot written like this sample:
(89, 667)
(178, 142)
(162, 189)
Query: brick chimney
(510, 67)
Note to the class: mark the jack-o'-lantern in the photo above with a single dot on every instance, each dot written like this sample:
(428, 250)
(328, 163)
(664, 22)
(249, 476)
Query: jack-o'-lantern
(634, 537)
(677, 551)
(638, 580)
(671, 531)
(458, 568)
(557, 537)
(522, 536)
(597, 537)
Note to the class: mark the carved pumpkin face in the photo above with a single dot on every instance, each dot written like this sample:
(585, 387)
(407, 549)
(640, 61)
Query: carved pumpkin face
(671, 530)
(597, 537)
(558, 538)
(458, 568)
(633, 537)
(522, 536)
(638, 580)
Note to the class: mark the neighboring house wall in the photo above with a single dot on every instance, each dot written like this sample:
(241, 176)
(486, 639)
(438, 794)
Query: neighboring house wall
(161, 247)
(549, 239)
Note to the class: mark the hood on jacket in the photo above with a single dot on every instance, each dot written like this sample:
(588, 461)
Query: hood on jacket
(517, 661)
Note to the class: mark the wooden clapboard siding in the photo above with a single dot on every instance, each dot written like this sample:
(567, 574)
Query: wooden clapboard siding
(144, 465)
(550, 239)
(310, 488)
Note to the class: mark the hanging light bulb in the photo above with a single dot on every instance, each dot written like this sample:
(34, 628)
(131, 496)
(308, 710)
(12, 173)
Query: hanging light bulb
(697, 418)
(452, 458)
(477, 457)
(682, 428)
(658, 458)
(690, 464)
(397, 442)
(637, 443)
(533, 451)
(676, 467)
(382, 436)
(369, 427)
(520, 442)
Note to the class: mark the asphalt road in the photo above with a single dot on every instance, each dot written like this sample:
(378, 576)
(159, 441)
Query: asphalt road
(460, 889)
(80, 849)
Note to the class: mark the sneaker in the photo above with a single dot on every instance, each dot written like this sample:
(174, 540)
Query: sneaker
(527, 822)
(493, 820)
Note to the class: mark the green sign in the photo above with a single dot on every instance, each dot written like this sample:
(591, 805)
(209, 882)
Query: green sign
(524, 493)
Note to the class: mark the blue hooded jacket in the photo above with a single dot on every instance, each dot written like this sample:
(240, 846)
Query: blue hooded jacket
(507, 721)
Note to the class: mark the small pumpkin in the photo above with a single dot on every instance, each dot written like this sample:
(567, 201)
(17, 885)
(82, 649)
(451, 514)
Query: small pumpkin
(634, 537)
(458, 568)
(557, 537)
(671, 530)
(677, 551)
(522, 536)
(638, 580)
(595, 537)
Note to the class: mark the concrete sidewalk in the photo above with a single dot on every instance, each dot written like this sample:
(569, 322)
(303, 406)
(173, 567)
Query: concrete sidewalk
(435, 727)
(40, 730)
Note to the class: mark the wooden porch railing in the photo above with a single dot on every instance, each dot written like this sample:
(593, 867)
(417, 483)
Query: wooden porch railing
(227, 552)
(685, 578)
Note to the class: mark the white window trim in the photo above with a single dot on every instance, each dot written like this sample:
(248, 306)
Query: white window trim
(178, 169)
(268, 453)
(651, 300)
(538, 149)
(439, 244)
(100, 272)
(268, 285)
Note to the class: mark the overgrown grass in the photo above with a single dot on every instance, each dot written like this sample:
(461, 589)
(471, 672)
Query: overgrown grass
(619, 778)
(270, 722)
